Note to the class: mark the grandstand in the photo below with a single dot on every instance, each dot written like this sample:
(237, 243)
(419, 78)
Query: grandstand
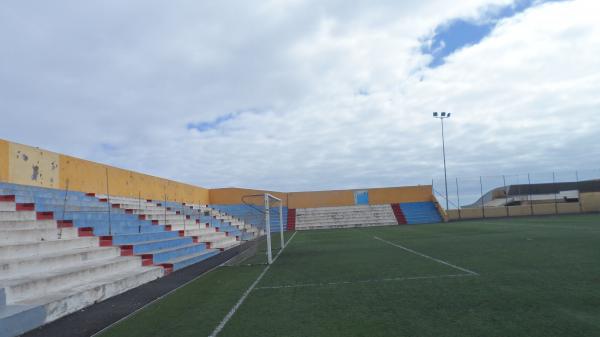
(76, 234)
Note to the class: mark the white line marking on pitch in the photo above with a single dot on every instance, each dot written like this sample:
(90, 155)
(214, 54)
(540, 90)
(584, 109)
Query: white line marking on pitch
(246, 293)
(395, 279)
(154, 301)
(427, 256)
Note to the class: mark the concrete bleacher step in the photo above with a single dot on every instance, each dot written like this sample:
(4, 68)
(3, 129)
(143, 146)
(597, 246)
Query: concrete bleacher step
(145, 247)
(68, 300)
(224, 243)
(188, 260)
(35, 235)
(160, 256)
(18, 250)
(27, 224)
(36, 285)
(207, 237)
(41, 263)
(334, 226)
(17, 215)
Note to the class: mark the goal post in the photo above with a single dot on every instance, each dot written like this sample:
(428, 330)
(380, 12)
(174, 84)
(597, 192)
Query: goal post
(268, 199)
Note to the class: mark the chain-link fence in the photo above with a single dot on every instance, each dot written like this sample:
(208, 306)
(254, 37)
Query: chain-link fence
(520, 194)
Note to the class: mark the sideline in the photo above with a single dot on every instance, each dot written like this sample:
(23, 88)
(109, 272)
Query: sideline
(427, 256)
(395, 279)
(247, 292)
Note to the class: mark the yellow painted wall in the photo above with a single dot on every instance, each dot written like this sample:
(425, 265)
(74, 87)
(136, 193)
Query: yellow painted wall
(321, 199)
(26, 165)
(232, 195)
(4, 150)
(86, 176)
(519, 210)
(590, 202)
(378, 196)
(32, 166)
(313, 199)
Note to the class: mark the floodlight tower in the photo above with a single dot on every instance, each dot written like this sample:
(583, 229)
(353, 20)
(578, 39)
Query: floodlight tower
(441, 116)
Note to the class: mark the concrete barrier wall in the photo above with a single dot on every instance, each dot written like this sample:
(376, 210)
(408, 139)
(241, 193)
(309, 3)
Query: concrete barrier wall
(88, 176)
(21, 164)
(390, 195)
(314, 199)
(4, 145)
(233, 196)
(377, 196)
(26, 165)
(590, 202)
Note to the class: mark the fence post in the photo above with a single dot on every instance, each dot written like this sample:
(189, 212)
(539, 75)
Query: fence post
(481, 190)
(139, 210)
(60, 232)
(109, 205)
(458, 200)
(529, 193)
(555, 193)
(505, 195)
(578, 191)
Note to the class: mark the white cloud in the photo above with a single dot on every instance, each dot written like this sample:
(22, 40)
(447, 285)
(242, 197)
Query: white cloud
(133, 75)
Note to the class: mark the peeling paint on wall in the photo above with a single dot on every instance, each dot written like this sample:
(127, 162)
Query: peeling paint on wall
(35, 173)
(32, 166)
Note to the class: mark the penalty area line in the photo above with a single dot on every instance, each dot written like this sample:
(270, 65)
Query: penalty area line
(395, 279)
(427, 256)
(231, 312)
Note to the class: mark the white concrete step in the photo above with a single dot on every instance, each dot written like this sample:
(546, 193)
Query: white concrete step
(65, 301)
(144, 208)
(19, 250)
(8, 206)
(346, 219)
(345, 215)
(40, 263)
(210, 237)
(117, 199)
(181, 227)
(17, 215)
(343, 223)
(224, 244)
(334, 226)
(39, 284)
(27, 224)
(343, 208)
(13, 236)
(158, 211)
(162, 217)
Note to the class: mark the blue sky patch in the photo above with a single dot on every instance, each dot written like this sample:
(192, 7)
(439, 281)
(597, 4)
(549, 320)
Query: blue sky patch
(214, 124)
(459, 33)
(207, 126)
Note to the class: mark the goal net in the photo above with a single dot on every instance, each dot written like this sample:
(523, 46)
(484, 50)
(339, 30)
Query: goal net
(267, 213)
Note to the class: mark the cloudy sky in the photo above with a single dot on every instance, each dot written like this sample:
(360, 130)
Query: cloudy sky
(303, 95)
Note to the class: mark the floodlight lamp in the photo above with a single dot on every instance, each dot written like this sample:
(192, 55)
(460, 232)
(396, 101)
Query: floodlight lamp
(443, 114)
(435, 114)
(448, 115)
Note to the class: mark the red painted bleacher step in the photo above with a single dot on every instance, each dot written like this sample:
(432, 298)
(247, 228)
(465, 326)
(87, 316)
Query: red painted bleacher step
(399, 214)
(291, 219)
(25, 207)
(7, 198)
(64, 223)
(85, 231)
(45, 215)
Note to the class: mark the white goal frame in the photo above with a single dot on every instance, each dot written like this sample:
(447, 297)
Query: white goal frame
(268, 198)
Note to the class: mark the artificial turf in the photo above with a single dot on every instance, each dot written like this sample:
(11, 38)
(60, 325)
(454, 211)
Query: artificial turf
(534, 277)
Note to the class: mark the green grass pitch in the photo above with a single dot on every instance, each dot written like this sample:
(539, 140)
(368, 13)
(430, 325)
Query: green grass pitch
(506, 277)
